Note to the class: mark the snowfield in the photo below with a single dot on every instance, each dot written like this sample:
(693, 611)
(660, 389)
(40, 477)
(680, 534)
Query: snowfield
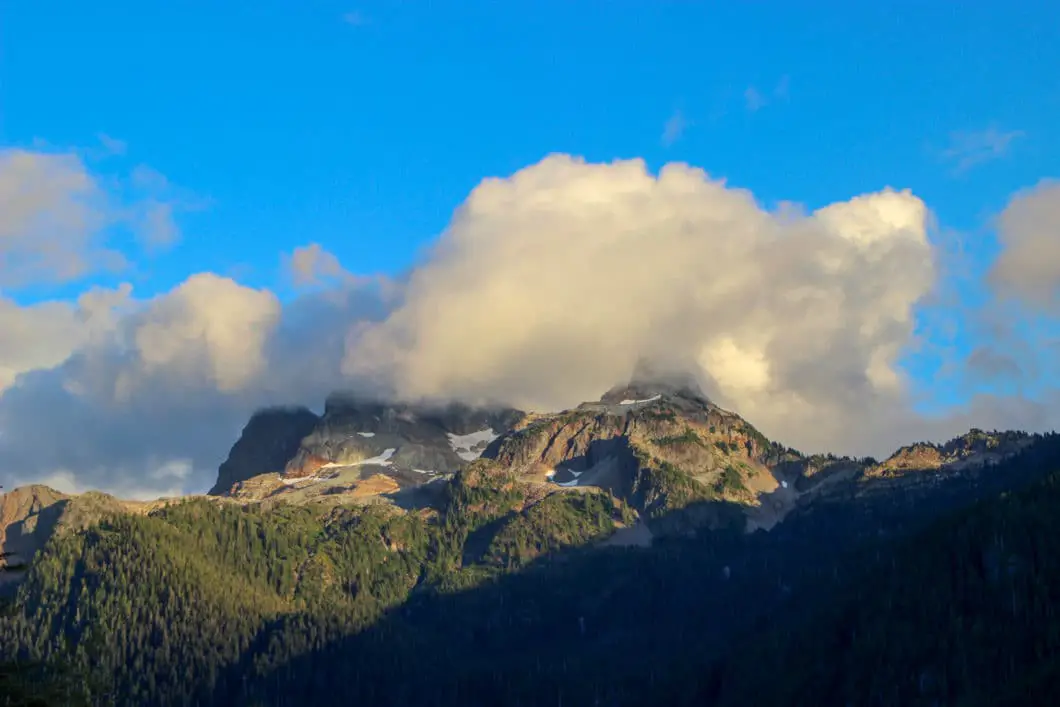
(637, 402)
(464, 444)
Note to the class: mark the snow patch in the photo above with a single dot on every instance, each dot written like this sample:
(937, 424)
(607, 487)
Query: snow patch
(308, 479)
(568, 484)
(367, 434)
(635, 402)
(464, 445)
(425, 471)
(381, 460)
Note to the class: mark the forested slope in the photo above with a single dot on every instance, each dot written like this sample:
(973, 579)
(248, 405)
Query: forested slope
(964, 612)
(505, 597)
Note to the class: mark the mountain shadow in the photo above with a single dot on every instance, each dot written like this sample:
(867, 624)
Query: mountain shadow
(205, 603)
(720, 618)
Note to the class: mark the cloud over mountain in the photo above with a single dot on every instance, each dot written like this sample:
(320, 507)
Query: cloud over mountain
(544, 290)
(550, 284)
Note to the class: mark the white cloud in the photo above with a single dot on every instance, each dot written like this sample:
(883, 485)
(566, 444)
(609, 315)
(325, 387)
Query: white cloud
(43, 335)
(1028, 268)
(549, 285)
(51, 212)
(968, 149)
(546, 288)
(312, 265)
(149, 395)
(56, 216)
(209, 328)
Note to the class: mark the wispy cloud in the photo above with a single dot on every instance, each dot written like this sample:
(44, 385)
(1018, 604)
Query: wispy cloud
(112, 145)
(355, 18)
(780, 91)
(675, 128)
(755, 99)
(969, 148)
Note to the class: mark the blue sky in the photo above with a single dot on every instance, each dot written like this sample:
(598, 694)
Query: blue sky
(300, 125)
(361, 127)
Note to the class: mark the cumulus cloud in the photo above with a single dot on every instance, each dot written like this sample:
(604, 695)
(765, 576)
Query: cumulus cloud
(51, 212)
(549, 285)
(312, 265)
(151, 395)
(43, 335)
(144, 393)
(1021, 317)
(56, 216)
(1028, 268)
(546, 289)
(38, 336)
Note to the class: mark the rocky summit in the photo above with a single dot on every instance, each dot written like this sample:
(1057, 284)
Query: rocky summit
(270, 439)
(656, 443)
(360, 448)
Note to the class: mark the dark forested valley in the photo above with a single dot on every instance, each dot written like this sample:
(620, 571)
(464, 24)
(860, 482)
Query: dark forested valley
(946, 599)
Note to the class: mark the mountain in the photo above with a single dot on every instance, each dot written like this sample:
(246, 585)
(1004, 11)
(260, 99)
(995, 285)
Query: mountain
(31, 515)
(270, 439)
(361, 448)
(962, 612)
(659, 447)
(645, 548)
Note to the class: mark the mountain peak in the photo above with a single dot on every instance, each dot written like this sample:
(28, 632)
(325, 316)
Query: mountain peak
(651, 379)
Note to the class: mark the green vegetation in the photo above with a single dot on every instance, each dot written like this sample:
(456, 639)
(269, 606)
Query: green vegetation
(659, 414)
(759, 439)
(729, 481)
(666, 488)
(501, 598)
(559, 522)
(34, 685)
(965, 613)
(688, 437)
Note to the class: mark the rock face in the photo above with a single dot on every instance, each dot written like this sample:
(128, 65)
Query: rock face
(268, 442)
(976, 448)
(30, 515)
(360, 450)
(27, 517)
(658, 445)
(401, 437)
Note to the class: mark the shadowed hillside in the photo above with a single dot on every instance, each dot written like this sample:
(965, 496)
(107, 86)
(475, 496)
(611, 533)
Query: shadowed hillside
(502, 597)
